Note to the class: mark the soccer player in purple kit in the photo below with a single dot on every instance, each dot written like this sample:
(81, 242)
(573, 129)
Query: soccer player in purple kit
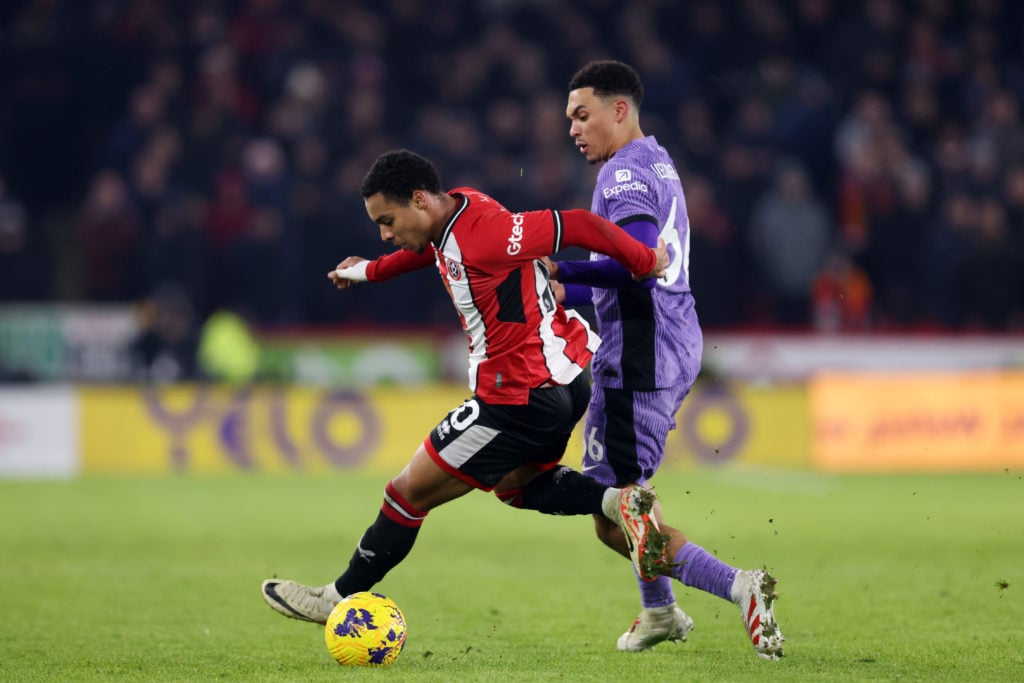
(651, 353)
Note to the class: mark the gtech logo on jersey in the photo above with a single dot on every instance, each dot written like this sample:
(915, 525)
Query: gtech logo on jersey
(624, 187)
(623, 176)
(514, 246)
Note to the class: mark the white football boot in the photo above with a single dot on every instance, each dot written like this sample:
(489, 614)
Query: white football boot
(754, 592)
(307, 603)
(656, 625)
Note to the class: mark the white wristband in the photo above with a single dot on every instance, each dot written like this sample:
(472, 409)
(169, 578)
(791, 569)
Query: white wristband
(356, 273)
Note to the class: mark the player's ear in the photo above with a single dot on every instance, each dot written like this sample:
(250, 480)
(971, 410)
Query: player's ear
(621, 109)
(419, 199)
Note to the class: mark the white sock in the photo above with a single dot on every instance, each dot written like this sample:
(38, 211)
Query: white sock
(610, 504)
(331, 593)
(661, 612)
(736, 591)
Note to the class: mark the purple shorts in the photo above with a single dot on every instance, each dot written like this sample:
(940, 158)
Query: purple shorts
(624, 436)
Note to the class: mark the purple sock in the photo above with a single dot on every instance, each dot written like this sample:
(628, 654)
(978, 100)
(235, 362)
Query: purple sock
(656, 593)
(700, 569)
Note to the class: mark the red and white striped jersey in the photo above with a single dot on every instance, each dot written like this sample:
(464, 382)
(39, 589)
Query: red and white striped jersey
(490, 262)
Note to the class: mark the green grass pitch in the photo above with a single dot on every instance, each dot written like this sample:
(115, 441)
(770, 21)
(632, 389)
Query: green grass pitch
(915, 577)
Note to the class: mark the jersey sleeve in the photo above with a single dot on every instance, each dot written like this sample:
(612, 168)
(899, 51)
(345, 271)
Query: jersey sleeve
(626, 192)
(398, 263)
(580, 228)
(606, 272)
(525, 236)
(503, 239)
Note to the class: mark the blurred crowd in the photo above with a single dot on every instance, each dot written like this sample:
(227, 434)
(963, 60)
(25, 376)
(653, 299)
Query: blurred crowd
(848, 165)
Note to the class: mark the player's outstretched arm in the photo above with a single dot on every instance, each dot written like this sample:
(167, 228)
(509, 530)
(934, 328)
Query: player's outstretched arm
(608, 273)
(357, 269)
(582, 228)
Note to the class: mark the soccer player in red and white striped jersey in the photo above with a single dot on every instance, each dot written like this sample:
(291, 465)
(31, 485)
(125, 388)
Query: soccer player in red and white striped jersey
(526, 366)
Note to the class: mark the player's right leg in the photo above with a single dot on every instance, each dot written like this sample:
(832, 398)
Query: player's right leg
(421, 486)
(535, 438)
(752, 591)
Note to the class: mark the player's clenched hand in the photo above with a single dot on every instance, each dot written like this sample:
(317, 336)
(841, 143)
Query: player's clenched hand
(552, 267)
(660, 263)
(558, 289)
(349, 271)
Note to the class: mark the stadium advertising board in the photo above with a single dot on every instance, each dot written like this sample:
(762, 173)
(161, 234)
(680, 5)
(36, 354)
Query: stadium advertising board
(267, 428)
(917, 421)
(271, 428)
(38, 432)
(737, 422)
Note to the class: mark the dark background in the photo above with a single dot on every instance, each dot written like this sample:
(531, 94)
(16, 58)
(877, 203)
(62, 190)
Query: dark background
(848, 165)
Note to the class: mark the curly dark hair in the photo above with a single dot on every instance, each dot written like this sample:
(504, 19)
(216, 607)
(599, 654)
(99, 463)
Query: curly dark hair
(609, 78)
(399, 173)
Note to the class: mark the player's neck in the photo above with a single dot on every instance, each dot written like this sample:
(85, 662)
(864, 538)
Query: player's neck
(446, 207)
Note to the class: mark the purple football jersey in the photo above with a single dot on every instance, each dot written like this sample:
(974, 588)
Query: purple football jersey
(652, 338)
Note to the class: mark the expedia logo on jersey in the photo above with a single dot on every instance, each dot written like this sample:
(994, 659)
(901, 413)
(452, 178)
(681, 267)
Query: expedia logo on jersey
(624, 187)
(623, 175)
(514, 246)
(454, 269)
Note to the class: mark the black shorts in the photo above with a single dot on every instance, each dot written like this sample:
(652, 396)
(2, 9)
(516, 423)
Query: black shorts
(480, 442)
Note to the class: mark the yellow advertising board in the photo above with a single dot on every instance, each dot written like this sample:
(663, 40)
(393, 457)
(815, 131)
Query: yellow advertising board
(754, 424)
(917, 421)
(218, 429)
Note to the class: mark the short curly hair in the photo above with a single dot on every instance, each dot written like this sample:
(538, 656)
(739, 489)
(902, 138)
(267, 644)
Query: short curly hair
(399, 173)
(608, 78)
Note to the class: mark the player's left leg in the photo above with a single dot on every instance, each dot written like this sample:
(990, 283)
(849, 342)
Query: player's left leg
(474, 446)
(420, 487)
(626, 432)
(660, 618)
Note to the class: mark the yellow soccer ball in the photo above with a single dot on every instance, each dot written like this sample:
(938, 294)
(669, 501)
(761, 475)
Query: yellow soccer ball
(365, 629)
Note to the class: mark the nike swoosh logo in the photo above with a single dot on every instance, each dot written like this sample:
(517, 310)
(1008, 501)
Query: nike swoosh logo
(270, 590)
(588, 468)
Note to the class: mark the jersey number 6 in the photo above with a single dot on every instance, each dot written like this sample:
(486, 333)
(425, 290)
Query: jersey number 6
(679, 254)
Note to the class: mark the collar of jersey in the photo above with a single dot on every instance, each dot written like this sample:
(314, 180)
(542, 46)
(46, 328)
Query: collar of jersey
(451, 221)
